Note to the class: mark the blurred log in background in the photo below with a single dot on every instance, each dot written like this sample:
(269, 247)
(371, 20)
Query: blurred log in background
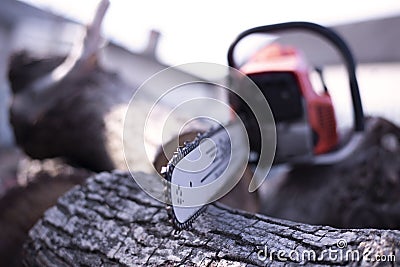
(79, 119)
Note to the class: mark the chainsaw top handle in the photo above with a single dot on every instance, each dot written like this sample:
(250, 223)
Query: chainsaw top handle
(328, 34)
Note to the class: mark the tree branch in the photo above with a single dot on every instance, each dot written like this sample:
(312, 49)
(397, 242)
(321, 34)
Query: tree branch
(82, 56)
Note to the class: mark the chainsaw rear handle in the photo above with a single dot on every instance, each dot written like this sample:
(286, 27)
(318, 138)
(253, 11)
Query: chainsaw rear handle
(331, 36)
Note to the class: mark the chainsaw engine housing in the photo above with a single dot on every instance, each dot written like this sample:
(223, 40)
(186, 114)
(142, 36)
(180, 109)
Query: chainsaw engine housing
(305, 120)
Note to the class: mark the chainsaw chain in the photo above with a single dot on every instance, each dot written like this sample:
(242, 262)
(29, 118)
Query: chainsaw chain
(180, 153)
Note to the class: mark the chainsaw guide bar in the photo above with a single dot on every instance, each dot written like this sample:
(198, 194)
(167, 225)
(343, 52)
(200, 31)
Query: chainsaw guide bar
(175, 195)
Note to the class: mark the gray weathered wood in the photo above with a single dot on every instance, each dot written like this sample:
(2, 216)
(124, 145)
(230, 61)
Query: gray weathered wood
(110, 221)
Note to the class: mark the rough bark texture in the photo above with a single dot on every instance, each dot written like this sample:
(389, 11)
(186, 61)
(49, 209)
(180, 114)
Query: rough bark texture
(361, 192)
(110, 221)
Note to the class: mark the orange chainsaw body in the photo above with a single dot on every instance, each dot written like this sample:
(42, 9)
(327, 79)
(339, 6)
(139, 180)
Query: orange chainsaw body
(289, 68)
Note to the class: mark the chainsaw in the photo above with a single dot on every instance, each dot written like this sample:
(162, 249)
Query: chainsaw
(306, 130)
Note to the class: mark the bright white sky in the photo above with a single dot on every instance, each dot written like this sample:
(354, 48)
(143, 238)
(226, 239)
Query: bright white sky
(202, 30)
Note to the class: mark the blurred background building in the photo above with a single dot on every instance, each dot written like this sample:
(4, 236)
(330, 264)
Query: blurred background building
(136, 50)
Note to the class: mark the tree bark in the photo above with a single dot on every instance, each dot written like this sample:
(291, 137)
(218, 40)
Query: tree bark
(111, 221)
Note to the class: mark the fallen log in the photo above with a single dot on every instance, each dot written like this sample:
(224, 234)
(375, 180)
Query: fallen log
(362, 191)
(38, 186)
(111, 221)
(57, 130)
(44, 90)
